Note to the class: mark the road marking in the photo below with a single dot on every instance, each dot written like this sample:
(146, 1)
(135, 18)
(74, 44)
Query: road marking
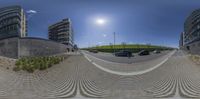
(104, 60)
(128, 73)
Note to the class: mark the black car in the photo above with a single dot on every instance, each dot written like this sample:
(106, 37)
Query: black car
(143, 52)
(93, 51)
(124, 53)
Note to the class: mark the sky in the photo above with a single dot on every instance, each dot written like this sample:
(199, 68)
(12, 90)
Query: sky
(156, 22)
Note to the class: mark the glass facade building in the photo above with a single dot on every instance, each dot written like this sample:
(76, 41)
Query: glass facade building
(181, 41)
(192, 28)
(61, 32)
(12, 22)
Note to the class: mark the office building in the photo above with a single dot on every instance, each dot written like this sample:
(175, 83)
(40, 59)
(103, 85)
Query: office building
(62, 32)
(192, 32)
(12, 22)
(181, 41)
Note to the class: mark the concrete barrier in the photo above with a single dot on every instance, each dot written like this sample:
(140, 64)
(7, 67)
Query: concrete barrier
(30, 46)
(9, 47)
(193, 48)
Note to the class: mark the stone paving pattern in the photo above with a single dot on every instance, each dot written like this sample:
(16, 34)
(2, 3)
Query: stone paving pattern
(77, 78)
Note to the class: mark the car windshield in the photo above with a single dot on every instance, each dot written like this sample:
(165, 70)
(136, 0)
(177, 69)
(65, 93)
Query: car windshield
(107, 49)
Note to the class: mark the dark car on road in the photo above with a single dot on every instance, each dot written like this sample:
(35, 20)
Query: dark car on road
(124, 53)
(143, 52)
(93, 51)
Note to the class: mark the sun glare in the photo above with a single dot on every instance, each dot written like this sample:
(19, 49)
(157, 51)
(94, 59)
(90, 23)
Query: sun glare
(100, 21)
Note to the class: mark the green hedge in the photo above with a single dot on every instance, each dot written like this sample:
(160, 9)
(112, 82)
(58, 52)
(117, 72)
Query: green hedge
(133, 50)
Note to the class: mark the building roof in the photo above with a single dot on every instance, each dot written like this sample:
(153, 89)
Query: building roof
(59, 23)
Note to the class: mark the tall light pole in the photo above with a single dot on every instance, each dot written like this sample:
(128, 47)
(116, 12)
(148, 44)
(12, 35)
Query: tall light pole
(114, 42)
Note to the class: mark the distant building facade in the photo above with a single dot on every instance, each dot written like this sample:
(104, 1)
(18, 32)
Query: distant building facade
(62, 32)
(181, 41)
(192, 32)
(12, 22)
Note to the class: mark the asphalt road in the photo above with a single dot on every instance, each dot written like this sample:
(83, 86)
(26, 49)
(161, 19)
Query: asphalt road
(133, 68)
(136, 58)
(78, 78)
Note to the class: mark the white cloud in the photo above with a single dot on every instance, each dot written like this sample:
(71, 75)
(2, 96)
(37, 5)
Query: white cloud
(104, 35)
(31, 11)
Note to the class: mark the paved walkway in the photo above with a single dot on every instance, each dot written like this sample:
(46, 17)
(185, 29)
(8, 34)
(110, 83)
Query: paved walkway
(77, 78)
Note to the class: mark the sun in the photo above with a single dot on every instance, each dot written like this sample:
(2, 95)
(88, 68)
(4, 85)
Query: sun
(100, 21)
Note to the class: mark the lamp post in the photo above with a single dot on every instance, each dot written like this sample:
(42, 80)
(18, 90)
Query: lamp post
(114, 42)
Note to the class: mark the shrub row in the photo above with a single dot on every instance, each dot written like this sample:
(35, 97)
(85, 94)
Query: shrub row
(30, 64)
(133, 50)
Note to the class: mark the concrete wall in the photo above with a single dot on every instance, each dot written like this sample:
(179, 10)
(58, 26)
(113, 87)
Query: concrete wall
(9, 47)
(29, 46)
(193, 48)
(40, 47)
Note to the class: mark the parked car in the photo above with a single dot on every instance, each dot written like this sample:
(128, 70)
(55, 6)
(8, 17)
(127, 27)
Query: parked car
(156, 51)
(124, 53)
(93, 51)
(143, 52)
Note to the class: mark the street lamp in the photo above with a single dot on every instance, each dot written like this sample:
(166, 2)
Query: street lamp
(114, 42)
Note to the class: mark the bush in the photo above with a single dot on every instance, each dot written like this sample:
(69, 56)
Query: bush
(30, 64)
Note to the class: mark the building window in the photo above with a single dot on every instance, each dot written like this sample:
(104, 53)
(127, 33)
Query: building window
(198, 26)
